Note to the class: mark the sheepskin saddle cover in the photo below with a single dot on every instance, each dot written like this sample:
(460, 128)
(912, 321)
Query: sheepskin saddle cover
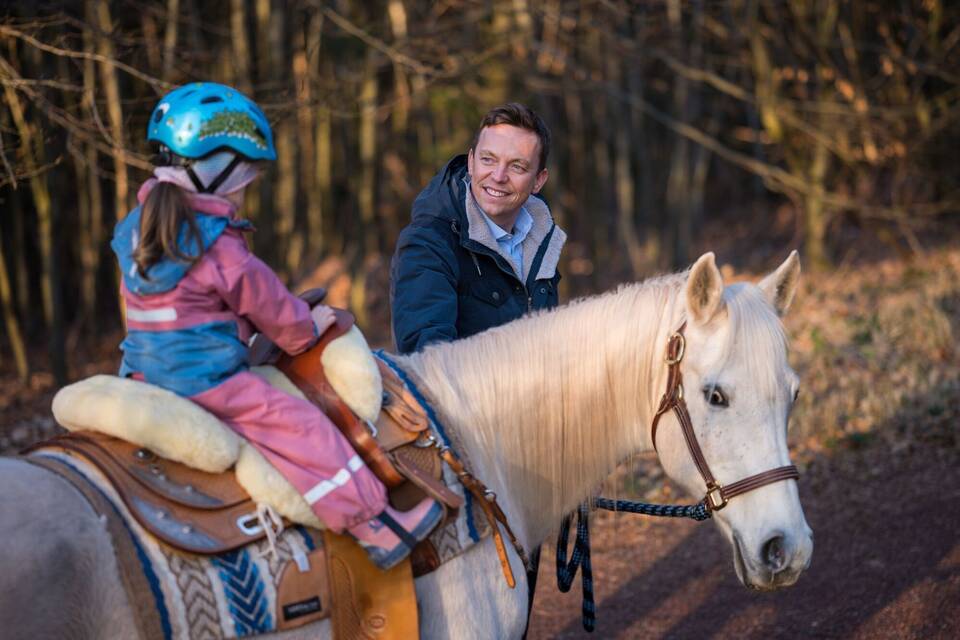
(175, 428)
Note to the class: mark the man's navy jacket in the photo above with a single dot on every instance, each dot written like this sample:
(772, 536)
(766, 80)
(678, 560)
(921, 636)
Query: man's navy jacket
(448, 278)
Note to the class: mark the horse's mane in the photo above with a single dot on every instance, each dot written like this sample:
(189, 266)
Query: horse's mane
(588, 370)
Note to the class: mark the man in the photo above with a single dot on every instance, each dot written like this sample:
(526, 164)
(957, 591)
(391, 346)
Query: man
(482, 249)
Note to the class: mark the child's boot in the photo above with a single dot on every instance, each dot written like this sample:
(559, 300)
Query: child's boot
(390, 536)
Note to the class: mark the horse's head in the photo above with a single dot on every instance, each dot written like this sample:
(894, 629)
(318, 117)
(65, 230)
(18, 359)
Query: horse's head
(739, 390)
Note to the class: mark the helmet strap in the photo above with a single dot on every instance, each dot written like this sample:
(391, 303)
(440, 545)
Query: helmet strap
(212, 187)
(195, 180)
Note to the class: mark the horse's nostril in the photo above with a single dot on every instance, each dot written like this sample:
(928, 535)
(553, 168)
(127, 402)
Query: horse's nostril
(774, 553)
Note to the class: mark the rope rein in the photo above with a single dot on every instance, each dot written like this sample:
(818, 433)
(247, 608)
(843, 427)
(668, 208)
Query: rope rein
(580, 557)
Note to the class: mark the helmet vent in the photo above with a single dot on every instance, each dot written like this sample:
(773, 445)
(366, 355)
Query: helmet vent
(260, 133)
(211, 100)
(158, 116)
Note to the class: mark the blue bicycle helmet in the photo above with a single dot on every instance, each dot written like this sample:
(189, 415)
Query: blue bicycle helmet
(200, 118)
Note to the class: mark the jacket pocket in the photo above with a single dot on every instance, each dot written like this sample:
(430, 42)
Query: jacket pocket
(489, 293)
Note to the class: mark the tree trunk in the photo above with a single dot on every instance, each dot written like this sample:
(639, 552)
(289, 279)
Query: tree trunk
(815, 214)
(31, 141)
(111, 89)
(239, 39)
(678, 181)
(401, 98)
(318, 191)
(285, 213)
(10, 321)
(90, 256)
(623, 177)
(170, 38)
(368, 156)
(260, 206)
(306, 129)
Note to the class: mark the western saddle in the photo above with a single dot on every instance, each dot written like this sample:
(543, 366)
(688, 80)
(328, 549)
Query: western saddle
(208, 513)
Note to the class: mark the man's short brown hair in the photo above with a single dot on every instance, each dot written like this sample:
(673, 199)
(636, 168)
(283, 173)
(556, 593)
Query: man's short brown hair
(522, 116)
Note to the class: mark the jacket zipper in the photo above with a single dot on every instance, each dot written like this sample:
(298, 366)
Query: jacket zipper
(476, 263)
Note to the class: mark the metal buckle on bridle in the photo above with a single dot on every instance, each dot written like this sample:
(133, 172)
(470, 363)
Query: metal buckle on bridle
(676, 339)
(714, 497)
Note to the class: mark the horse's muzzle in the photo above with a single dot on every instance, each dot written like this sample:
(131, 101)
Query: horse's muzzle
(777, 562)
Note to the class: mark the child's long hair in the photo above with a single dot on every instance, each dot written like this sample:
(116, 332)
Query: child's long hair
(163, 214)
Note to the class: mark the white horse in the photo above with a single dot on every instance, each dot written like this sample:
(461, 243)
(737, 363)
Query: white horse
(544, 408)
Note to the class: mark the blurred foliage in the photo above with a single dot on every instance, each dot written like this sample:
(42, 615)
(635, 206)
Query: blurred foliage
(822, 124)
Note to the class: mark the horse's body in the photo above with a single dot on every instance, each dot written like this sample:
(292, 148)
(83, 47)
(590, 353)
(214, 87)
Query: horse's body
(543, 408)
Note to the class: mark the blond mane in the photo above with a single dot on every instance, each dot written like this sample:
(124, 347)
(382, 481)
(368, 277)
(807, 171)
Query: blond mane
(548, 405)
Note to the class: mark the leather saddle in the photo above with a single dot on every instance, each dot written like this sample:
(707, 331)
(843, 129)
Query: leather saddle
(210, 513)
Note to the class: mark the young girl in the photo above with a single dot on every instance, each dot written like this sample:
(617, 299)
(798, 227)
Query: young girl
(194, 294)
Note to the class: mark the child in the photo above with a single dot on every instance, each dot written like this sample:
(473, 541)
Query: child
(194, 294)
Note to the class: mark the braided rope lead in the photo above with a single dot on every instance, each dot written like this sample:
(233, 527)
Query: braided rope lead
(580, 556)
(567, 571)
(697, 511)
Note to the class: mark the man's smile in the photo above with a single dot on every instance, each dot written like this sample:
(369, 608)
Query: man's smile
(495, 192)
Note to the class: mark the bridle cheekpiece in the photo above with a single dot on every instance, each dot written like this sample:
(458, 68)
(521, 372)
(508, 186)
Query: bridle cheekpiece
(717, 495)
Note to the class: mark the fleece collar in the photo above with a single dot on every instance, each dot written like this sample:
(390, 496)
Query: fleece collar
(478, 231)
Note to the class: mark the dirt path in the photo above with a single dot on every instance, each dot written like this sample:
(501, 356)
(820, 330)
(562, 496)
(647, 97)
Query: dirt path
(886, 562)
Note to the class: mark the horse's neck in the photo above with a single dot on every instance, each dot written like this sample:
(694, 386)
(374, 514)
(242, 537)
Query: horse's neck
(545, 407)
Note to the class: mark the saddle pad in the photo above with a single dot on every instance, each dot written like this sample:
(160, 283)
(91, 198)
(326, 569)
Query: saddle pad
(309, 576)
(240, 593)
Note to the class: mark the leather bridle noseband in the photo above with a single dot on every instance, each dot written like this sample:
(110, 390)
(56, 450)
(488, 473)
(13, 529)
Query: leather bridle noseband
(717, 495)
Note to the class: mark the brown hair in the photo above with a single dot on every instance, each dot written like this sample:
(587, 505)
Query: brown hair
(518, 115)
(163, 214)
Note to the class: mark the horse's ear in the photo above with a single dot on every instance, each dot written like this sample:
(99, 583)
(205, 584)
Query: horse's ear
(704, 289)
(780, 285)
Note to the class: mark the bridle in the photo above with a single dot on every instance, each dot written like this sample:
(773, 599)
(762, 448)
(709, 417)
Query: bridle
(717, 495)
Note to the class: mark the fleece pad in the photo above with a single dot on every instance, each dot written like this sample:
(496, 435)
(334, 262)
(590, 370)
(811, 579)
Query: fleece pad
(176, 428)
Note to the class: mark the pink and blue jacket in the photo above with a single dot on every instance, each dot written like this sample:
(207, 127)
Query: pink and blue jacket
(188, 326)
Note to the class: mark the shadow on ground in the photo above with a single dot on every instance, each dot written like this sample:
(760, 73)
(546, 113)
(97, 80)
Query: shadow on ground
(886, 561)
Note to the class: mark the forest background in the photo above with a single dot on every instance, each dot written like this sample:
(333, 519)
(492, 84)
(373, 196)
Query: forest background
(747, 127)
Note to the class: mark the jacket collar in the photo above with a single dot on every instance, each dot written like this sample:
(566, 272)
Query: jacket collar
(543, 224)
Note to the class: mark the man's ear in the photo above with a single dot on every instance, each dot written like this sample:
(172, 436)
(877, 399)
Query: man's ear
(704, 290)
(541, 180)
(470, 162)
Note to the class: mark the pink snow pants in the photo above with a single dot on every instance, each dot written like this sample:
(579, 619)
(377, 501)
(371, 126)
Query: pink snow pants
(303, 445)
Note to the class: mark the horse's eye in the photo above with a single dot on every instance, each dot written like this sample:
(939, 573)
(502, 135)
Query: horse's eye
(796, 394)
(715, 396)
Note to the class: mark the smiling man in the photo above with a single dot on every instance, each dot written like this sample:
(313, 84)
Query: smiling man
(482, 248)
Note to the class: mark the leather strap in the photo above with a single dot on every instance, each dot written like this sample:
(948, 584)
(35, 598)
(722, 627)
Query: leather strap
(494, 514)
(717, 495)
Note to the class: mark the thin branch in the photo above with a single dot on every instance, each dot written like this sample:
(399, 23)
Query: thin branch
(71, 123)
(12, 180)
(376, 43)
(53, 84)
(157, 84)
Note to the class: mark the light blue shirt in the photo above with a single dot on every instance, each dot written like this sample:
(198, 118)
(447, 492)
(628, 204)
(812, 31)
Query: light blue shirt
(512, 243)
